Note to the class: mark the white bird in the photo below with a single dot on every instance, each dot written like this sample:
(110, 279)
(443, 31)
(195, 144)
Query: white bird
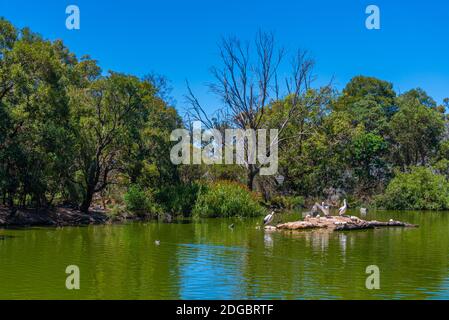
(324, 208)
(343, 209)
(269, 218)
(157, 242)
(363, 211)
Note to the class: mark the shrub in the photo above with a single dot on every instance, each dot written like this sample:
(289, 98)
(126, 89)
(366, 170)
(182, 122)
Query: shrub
(288, 202)
(115, 211)
(179, 199)
(140, 202)
(227, 199)
(420, 189)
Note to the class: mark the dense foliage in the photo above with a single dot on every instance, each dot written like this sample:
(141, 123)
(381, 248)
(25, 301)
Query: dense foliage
(419, 189)
(227, 199)
(71, 134)
(137, 200)
(179, 199)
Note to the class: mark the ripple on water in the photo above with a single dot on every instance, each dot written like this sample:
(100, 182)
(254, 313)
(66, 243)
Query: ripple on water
(207, 260)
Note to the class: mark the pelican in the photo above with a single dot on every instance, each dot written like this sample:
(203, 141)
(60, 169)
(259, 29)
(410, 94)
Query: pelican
(343, 209)
(326, 209)
(312, 211)
(322, 209)
(269, 218)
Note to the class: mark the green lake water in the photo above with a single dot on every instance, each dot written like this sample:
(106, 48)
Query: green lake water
(208, 260)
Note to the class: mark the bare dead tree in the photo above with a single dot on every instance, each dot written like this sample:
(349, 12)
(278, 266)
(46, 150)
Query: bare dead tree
(248, 83)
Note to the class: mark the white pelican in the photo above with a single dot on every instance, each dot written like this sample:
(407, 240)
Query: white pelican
(343, 209)
(312, 212)
(269, 218)
(326, 208)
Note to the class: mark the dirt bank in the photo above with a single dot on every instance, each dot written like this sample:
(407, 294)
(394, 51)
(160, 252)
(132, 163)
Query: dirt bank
(49, 217)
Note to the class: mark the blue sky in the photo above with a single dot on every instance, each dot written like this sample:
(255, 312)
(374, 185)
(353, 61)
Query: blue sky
(178, 38)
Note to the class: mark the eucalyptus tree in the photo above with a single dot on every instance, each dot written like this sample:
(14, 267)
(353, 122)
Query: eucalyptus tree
(248, 82)
(35, 136)
(416, 129)
(102, 113)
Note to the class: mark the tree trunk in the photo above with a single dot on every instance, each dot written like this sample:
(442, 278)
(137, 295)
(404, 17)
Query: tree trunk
(252, 173)
(10, 200)
(92, 175)
(87, 200)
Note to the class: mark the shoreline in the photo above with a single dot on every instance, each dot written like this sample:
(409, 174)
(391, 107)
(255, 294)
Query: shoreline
(53, 217)
(71, 217)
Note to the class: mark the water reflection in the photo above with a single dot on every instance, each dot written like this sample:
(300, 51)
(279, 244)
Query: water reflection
(268, 240)
(212, 271)
(443, 293)
(208, 260)
(2, 237)
(318, 239)
(342, 237)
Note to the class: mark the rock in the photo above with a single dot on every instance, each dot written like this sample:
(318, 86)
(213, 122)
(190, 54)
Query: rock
(338, 223)
(300, 225)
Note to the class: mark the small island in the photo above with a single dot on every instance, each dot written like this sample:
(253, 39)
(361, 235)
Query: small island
(337, 223)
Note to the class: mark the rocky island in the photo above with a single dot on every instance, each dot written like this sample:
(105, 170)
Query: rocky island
(337, 223)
